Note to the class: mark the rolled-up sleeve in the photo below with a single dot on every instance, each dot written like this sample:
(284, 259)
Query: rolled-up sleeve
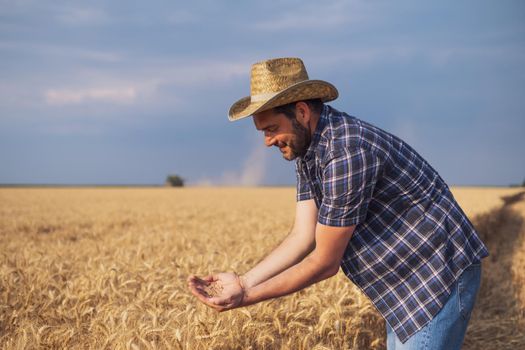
(349, 178)
(304, 191)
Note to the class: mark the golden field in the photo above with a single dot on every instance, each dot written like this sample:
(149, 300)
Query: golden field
(106, 268)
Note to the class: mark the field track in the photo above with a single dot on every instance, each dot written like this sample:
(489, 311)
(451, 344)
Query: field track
(105, 268)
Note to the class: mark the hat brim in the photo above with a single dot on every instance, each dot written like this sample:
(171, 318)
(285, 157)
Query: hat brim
(304, 90)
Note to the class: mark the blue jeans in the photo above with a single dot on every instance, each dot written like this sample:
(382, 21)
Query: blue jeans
(447, 329)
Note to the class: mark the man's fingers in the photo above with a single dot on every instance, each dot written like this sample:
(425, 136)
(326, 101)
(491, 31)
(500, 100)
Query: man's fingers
(205, 300)
(200, 280)
(196, 281)
(198, 287)
(201, 295)
(220, 301)
(209, 278)
(193, 279)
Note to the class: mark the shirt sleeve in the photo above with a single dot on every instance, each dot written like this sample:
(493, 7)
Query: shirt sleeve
(349, 179)
(304, 191)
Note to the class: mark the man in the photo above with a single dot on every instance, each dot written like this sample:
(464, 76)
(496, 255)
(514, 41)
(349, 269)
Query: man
(366, 201)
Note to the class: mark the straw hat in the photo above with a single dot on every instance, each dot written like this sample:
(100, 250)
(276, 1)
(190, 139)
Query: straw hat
(277, 82)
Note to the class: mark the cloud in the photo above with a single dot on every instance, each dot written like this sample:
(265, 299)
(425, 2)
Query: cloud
(252, 173)
(407, 130)
(68, 52)
(374, 55)
(95, 85)
(294, 21)
(146, 84)
(196, 72)
(77, 96)
(181, 17)
(82, 16)
(72, 128)
(312, 16)
(253, 169)
(501, 52)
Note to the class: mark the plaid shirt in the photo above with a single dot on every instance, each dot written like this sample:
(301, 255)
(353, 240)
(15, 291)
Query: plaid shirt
(411, 241)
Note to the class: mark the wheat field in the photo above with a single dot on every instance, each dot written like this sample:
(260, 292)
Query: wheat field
(106, 268)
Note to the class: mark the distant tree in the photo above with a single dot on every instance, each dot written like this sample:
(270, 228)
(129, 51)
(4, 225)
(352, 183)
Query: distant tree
(523, 183)
(174, 181)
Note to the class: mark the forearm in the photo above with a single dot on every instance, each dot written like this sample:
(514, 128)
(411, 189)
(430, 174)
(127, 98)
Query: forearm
(309, 271)
(321, 263)
(289, 252)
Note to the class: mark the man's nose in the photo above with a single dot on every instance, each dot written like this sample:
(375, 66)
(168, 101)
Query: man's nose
(269, 141)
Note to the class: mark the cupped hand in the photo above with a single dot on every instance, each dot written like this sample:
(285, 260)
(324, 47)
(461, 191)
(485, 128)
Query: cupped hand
(222, 291)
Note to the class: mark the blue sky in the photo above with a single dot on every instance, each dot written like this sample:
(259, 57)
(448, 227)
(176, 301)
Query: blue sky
(121, 92)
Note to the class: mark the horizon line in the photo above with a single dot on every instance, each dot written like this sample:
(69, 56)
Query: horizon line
(13, 185)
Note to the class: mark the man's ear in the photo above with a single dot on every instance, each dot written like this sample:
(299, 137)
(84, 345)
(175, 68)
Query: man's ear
(303, 113)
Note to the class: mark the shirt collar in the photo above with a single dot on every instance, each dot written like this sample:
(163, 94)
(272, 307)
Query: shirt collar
(323, 119)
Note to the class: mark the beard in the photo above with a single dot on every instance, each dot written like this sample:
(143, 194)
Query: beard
(300, 142)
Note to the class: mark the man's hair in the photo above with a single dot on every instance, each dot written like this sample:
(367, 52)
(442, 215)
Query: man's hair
(316, 105)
